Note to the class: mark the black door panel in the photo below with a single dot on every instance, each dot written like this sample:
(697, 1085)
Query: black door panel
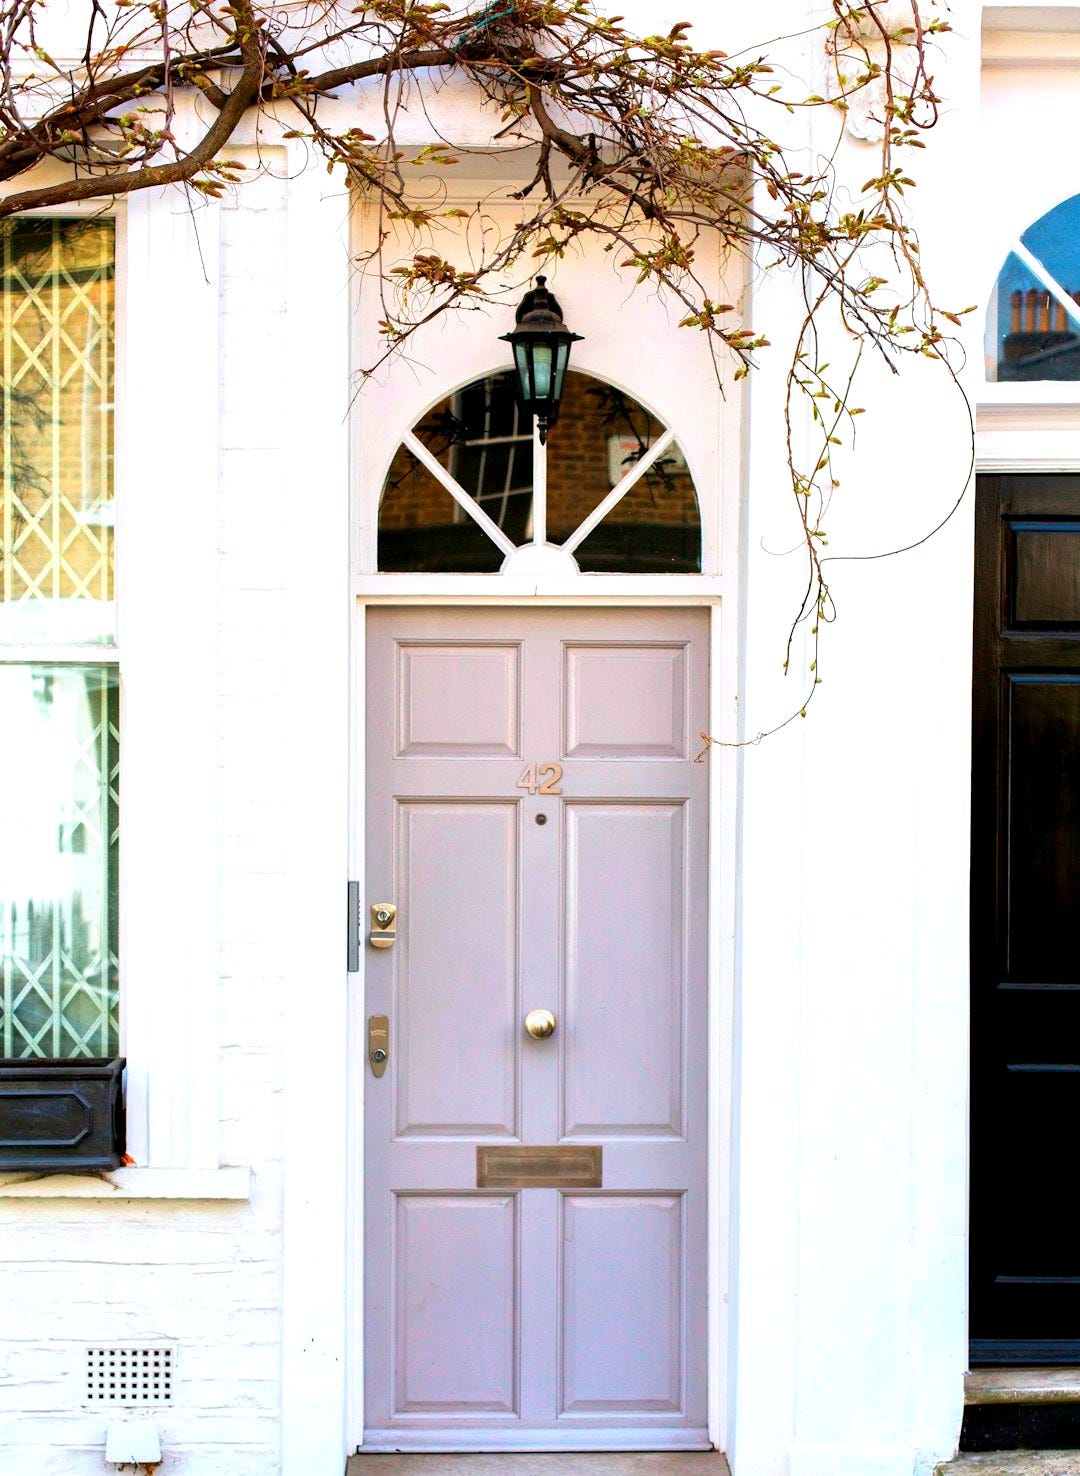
(1025, 872)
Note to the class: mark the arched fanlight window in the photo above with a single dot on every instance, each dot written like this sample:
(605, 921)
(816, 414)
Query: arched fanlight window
(1033, 323)
(472, 490)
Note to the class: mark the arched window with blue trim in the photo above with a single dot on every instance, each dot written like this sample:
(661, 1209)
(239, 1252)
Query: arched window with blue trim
(1033, 323)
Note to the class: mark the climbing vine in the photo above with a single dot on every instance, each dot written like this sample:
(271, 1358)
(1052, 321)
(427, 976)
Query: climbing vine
(644, 143)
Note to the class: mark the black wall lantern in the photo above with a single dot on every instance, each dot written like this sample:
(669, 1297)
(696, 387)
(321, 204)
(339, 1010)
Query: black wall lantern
(541, 343)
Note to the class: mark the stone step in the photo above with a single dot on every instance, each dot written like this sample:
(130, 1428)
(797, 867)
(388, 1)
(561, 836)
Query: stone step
(1022, 1386)
(571, 1464)
(1014, 1463)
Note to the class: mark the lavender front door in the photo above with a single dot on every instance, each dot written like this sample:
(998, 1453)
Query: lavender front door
(535, 814)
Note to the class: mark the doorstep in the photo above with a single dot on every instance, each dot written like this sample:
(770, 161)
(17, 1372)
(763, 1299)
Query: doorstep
(1022, 1386)
(672, 1463)
(1014, 1463)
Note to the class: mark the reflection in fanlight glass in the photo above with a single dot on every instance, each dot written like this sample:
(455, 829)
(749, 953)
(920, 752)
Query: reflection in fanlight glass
(479, 437)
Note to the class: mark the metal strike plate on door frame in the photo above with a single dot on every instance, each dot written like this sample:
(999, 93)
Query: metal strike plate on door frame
(378, 1043)
(355, 928)
(383, 925)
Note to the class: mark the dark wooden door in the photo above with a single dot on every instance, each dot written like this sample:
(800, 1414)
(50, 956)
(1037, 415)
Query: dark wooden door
(1025, 948)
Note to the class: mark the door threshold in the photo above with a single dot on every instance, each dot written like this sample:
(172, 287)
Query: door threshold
(1022, 1386)
(575, 1463)
(545, 1441)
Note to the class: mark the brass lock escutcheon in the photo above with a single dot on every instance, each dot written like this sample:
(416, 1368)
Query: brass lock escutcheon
(383, 925)
(378, 1043)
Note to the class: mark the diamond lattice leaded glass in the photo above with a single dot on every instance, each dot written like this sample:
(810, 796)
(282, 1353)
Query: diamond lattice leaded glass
(58, 861)
(56, 451)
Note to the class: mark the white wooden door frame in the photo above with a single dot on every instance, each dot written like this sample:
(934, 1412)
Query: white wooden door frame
(723, 838)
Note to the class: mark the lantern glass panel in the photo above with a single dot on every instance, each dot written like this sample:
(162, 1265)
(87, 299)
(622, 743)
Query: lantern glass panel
(541, 357)
(562, 358)
(521, 358)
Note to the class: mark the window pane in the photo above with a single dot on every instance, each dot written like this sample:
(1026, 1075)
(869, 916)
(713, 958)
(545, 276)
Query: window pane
(422, 528)
(1029, 335)
(58, 861)
(601, 433)
(474, 434)
(56, 452)
(1055, 240)
(478, 437)
(655, 528)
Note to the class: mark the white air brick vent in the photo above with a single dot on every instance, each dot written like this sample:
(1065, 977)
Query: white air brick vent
(139, 1374)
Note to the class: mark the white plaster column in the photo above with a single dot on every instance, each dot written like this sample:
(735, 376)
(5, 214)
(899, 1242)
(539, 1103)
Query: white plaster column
(166, 552)
(850, 1136)
(315, 801)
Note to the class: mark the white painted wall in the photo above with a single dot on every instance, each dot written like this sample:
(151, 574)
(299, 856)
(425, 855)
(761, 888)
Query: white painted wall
(205, 1275)
(847, 1343)
(852, 1014)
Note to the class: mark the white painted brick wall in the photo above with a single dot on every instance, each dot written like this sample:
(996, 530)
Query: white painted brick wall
(205, 1276)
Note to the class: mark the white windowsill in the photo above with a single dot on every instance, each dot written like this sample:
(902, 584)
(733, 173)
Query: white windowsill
(129, 1183)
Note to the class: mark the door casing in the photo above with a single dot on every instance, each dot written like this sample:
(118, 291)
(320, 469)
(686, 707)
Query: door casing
(723, 817)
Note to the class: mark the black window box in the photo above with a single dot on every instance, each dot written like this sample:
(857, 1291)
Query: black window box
(62, 1114)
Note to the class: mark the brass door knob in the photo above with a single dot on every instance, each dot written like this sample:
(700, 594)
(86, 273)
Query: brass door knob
(540, 1024)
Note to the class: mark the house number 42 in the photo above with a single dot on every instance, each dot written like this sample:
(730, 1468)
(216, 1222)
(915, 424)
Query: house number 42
(533, 779)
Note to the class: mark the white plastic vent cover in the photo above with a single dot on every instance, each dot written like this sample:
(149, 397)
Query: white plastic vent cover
(130, 1374)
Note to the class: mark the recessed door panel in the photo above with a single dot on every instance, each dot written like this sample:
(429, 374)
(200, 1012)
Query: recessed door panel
(625, 701)
(1046, 574)
(621, 1333)
(455, 1300)
(625, 976)
(1024, 1305)
(457, 968)
(458, 700)
(535, 1203)
(1043, 859)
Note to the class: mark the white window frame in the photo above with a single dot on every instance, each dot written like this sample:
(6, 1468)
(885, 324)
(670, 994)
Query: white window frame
(1050, 36)
(166, 392)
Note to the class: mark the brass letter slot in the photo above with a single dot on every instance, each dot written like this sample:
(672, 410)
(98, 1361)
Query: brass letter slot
(571, 1167)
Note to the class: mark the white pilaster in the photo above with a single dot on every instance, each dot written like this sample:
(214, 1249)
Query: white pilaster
(167, 473)
(315, 809)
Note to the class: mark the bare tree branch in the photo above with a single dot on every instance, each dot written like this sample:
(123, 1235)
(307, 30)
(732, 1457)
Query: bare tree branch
(643, 143)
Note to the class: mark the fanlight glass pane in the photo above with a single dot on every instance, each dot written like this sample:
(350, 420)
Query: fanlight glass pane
(421, 527)
(1029, 333)
(601, 433)
(1054, 240)
(58, 885)
(56, 448)
(480, 439)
